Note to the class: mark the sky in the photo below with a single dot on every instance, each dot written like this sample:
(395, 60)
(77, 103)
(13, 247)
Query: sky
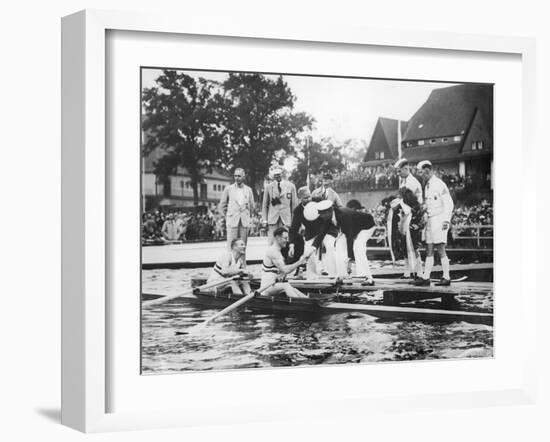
(342, 107)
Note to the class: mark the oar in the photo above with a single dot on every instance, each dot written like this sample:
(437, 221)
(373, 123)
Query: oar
(226, 310)
(188, 292)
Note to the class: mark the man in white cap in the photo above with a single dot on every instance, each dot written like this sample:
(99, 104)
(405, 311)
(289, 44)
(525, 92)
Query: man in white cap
(278, 203)
(409, 181)
(352, 230)
(439, 207)
(326, 192)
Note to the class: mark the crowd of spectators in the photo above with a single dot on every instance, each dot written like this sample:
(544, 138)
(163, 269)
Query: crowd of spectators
(385, 176)
(466, 223)
(160, 227)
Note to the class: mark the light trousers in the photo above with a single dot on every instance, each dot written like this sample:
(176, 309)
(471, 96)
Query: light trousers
(362, 267)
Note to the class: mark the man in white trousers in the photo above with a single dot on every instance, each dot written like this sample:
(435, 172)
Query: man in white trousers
(352, 229)
(439, 207)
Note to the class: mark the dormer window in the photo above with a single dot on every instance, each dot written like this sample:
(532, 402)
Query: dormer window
(421, 142)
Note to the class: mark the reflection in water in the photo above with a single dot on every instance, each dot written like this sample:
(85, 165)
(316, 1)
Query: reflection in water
(250, 339)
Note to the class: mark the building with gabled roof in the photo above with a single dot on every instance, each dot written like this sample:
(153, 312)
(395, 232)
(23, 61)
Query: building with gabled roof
(384, 143)
(454, 130)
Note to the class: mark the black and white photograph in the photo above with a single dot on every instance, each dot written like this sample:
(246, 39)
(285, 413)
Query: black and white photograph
(297, 220)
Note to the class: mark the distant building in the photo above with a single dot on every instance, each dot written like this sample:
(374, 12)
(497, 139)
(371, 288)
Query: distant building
(454, 130)
(384, 143)
(175, 191)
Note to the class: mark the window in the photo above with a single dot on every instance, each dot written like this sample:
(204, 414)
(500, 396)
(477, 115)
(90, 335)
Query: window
(409, 144)
(421, 142)
(376, 155)
(444, 140)
(381, 155)
(457, 138)
(433, 141)
(477, 145)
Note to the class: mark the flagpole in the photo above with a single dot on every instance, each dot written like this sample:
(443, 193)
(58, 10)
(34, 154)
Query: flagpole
(308, 146)
(399, 153)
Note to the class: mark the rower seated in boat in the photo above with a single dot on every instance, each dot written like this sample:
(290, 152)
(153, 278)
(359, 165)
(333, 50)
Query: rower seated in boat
(232, 263)
(274, 269)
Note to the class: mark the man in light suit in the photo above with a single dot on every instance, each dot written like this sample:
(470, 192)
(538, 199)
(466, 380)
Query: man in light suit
(326, 192)
(237, 204)
(279, 202)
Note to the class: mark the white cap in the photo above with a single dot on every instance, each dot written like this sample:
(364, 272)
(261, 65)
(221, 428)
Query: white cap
(310, 211)
(400, 163)
(423, 164)
(324, 205)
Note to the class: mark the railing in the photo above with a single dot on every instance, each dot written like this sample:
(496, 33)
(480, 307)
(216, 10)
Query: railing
(473, 233)
(460, 234)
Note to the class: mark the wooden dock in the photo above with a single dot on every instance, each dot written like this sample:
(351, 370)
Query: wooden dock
(204, 254)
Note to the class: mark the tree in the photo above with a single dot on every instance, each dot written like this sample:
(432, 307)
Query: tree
(182, 118)
(353, 152)
(260, 124)
(324, 156)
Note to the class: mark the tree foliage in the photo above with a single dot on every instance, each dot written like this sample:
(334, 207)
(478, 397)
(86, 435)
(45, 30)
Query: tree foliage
(324, 156)
(182, 118)
(260, 124)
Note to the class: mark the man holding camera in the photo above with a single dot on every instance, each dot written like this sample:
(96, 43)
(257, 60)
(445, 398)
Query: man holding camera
(278, 204)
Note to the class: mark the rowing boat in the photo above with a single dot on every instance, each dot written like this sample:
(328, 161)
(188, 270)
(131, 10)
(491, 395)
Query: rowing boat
(323, 298)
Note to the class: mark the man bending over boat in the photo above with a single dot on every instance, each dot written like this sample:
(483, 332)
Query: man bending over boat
(232, 263)
(274, 268)
(354, 230)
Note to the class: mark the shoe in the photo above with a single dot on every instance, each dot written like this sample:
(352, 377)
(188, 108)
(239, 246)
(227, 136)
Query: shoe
(367, 283)
(443, 282)
(413, 281)
(421, 282)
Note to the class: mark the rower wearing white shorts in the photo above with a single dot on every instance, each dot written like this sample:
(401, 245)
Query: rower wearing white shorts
(231, 263)
(274, 268)
(439, 208)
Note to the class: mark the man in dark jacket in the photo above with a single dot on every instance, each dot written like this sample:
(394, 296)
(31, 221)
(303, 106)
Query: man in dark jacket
(303, 231)
(354, 230)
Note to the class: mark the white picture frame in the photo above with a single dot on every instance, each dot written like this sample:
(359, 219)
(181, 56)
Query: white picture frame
(85, 260)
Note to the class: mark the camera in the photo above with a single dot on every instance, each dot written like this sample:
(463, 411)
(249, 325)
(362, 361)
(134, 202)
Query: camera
(275, 201)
